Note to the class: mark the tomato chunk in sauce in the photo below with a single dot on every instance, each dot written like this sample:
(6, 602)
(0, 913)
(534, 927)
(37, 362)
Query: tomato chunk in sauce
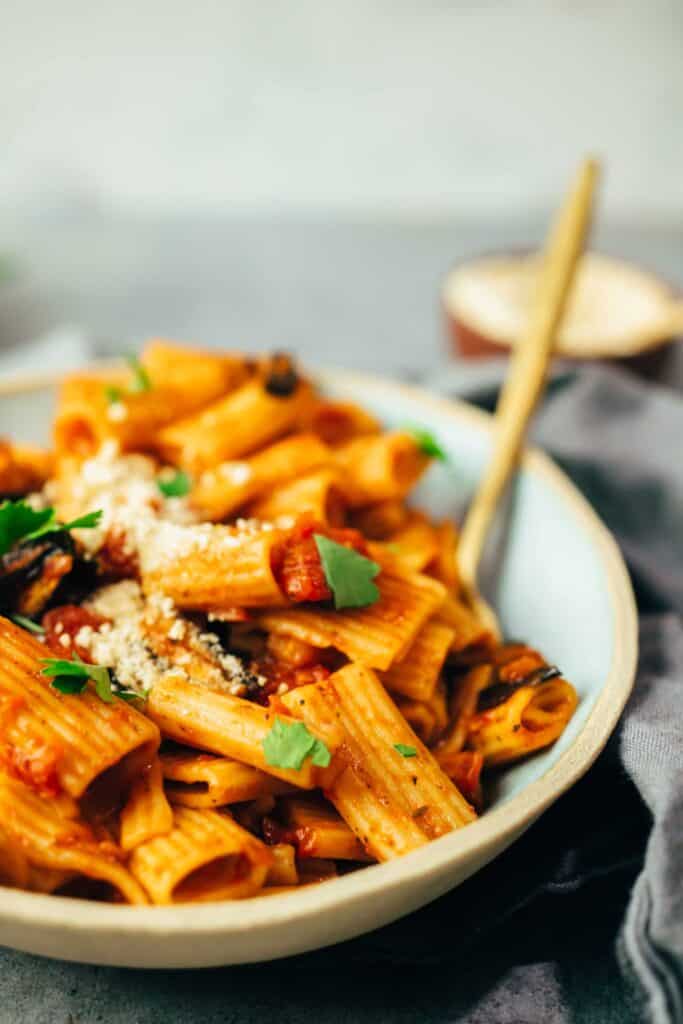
(296, 562)
(63, 624)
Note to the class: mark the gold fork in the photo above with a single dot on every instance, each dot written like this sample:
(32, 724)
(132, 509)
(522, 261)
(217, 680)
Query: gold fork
(526, 377)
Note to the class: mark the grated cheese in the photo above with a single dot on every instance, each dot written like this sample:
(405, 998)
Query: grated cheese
(125, 488)
(123, 643)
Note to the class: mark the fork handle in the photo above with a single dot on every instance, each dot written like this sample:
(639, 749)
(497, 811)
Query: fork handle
(529, 363)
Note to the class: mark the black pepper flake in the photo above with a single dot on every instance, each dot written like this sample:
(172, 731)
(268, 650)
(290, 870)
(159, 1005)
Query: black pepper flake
(281, 379)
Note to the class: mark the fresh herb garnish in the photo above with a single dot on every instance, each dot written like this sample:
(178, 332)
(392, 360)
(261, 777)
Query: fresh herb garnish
(349, 575)
(69, 684)
(86, 522)
(288, 744)
(141, 382)
(130, 696)
(72, 677)
(427, 443)
(176, 486)
(28, 624)
(404, 750)
(141, 379)
(18, 521)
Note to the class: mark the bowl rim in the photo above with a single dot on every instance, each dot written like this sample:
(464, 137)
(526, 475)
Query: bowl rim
(491, 832)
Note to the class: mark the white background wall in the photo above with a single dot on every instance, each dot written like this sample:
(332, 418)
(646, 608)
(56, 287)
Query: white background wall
(398, 107)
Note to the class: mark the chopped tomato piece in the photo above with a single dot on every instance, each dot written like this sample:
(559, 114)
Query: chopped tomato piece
(296, 562)
(63, 624)
(281, 677)
(302, 838)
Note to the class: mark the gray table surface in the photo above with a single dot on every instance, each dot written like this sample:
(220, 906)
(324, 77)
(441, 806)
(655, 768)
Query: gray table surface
(363, 295)
(355, 294)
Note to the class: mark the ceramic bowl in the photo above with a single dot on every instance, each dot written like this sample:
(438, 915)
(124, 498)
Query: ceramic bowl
(560, 583)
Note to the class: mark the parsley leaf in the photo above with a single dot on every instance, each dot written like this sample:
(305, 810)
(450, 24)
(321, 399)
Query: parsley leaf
(18, 521)
(141, 380)
(349, 575)
(28, 624)
(72, 676)
(427, 443)
(130, 696)
(177, 486)
(86, 522)
(404, 750)
(69, 684)
(288, 744)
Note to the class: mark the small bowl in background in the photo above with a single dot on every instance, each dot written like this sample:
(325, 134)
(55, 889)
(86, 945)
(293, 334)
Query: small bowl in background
(616, 313)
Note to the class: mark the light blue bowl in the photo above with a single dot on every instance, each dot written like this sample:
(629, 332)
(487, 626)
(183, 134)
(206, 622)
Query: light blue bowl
(559, 582)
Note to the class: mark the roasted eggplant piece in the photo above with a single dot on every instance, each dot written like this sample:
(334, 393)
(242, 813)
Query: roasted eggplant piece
(37, 572)
(496, 694)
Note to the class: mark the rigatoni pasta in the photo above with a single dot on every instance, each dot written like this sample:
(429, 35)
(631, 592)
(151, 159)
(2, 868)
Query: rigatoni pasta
(147, 812)
(223, 490)
(234, 426)
(233, 658)
(203, 780)
(206, 856)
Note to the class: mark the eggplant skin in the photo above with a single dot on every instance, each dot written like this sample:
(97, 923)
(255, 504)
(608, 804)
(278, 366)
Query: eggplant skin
(497, 693)
(32, 573)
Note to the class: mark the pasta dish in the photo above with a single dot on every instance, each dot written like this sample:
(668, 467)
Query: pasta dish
(234, 660)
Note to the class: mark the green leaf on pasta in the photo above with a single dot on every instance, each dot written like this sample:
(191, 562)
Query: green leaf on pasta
(427, 443)
(349, 575)
(20, 522)
(176, 486)
(141, 379)
(288, 744)
(404, 750)
(72, 677)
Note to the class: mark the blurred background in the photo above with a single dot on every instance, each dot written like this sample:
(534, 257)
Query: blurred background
(303, 174)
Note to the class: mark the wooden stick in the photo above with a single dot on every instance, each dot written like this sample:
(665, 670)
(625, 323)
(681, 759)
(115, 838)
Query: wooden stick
(527, 373)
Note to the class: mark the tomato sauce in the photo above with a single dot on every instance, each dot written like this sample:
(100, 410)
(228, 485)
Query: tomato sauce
(35, 763)
(63, 624)
(301, 838)
(296, 562)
